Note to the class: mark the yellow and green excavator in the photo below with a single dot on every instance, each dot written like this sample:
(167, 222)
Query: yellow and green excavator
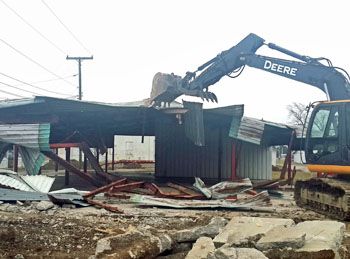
(327, 140)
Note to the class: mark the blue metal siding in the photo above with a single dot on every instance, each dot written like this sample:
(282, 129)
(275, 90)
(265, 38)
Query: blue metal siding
(177, 156)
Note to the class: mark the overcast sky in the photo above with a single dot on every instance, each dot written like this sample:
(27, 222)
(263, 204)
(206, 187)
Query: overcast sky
(133, 40)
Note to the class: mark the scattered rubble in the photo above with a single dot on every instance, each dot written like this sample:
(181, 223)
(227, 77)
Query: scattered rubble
(242, 231)
(44, 205)
(214, 227)
(202, 247)
(132, 244)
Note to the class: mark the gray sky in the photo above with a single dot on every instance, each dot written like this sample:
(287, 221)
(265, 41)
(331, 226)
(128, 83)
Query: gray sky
(133, 40)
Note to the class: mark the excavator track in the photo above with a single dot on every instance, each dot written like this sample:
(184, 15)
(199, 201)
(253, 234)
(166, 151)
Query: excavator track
(327, 196)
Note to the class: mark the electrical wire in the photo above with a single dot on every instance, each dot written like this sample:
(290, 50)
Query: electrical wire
(50, 80)
(20, 96)
(34, 29)
(71, 33)
(19, 88)
(37, 87)
(36, 63)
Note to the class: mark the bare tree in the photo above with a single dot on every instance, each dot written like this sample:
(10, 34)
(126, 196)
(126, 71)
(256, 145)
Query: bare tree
(297, 113)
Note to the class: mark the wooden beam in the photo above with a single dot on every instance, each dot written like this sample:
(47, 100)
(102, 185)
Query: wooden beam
(93, 161)
(87, 177)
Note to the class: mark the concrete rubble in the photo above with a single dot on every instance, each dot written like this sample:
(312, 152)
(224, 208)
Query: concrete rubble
(254, 237)
(308, 239)
(44, 205)
(236, 253)
(242, 230)
(214, 227)
(217, 237)
(132, 244)
(202, 247)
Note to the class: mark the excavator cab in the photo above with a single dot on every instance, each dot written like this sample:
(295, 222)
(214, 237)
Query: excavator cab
(328, 138)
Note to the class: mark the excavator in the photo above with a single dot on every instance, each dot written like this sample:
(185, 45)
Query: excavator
(327, 138)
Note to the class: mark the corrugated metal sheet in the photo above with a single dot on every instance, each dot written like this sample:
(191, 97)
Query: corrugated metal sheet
(37, 183)
(247, 129)
(35, 136)
(233, 110)
(15, 195)
(255, 162)
(177, 156)
(194, 125)
(40, 183)
(259, 202)
(14, 182)
(260, 132)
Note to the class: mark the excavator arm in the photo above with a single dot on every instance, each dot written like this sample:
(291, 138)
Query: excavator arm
(167, 88)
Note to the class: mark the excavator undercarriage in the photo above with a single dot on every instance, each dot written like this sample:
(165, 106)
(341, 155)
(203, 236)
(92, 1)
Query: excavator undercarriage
(327, 196)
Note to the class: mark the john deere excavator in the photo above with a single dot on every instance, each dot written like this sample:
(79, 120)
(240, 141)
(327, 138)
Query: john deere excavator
(327, 144)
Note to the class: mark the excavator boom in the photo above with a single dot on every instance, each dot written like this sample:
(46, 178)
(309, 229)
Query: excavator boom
(167, 87)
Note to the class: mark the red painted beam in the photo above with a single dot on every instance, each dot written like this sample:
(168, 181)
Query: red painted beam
(64, 145)
(103, 188)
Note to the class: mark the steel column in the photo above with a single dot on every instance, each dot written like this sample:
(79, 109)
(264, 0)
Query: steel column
(15, 158)
(66, 178)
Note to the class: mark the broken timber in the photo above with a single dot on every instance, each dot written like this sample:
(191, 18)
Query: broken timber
(93, 161)
(71, 168)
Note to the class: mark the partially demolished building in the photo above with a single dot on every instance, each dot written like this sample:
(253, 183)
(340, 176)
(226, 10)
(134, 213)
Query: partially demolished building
(213, 144)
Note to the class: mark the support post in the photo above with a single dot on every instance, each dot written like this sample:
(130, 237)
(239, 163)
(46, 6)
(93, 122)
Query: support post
(106, 162)
(113, 157)
(85, 164)
(56, 164)
(15, 158)
(66, 178)
(233, 169)
(94, 163)
(219, 155)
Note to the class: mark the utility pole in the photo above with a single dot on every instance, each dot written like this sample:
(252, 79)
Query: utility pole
(79, 59)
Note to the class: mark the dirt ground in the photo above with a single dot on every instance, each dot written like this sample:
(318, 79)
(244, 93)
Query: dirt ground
(73, 233)
(60, 232)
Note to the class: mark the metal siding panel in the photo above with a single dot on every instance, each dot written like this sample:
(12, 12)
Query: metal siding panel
(255, 162)
(177, 157)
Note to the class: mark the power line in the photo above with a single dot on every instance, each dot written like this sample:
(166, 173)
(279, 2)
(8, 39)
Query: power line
(20, 89)
(3, 91)
(36, 63)
(49, 80)
(37, 87)
(33, 28)
(71, 33)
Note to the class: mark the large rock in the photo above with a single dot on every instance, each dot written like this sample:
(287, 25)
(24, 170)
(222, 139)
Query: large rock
(132, 244)
(323, 240)
(236, 253)
(241, 230)
(281, 236)
(211, 230)
(44, 205)
(201, 248)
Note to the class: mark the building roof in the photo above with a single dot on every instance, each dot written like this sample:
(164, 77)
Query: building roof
(97, 123)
